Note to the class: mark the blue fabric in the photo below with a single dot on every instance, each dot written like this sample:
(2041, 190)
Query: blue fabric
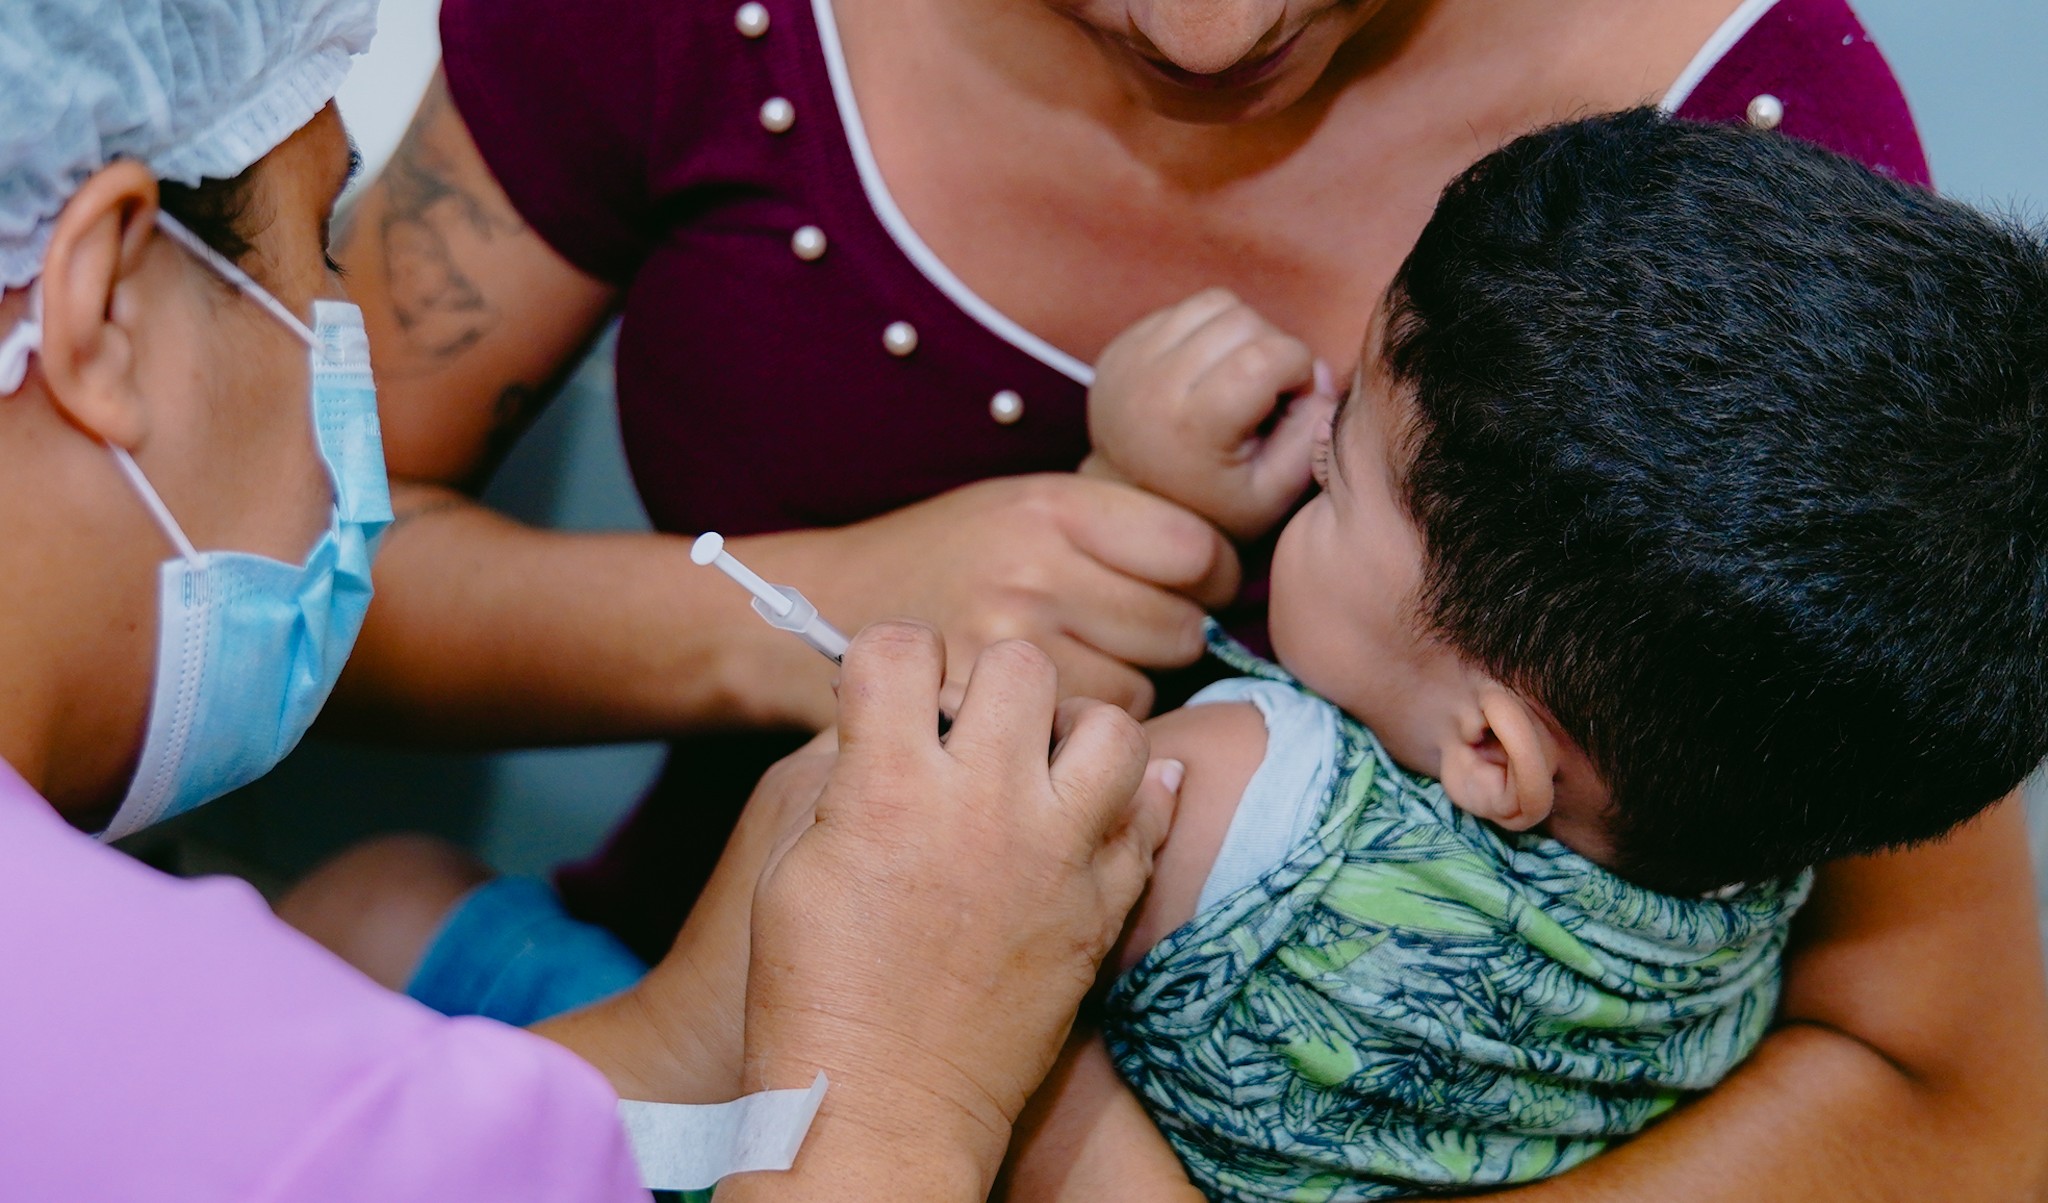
(508, 951)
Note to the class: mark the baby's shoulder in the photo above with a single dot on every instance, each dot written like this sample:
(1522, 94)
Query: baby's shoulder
(1224, 735)
(1224, 739)
(1222, 744)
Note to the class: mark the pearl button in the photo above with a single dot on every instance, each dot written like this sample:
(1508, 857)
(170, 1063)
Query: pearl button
(1766, 111)
(1006, 407)
(777, 115)
(900, 338)
(808, 243)
(751, 20)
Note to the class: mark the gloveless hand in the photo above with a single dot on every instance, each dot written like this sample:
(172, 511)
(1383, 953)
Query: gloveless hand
(1185, 401)
(927, 941)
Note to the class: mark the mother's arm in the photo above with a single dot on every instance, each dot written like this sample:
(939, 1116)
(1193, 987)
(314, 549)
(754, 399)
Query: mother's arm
(1910, 1062)
(486, 631)
(482, 629)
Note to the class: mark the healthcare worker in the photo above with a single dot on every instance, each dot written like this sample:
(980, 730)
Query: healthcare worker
(191, 494)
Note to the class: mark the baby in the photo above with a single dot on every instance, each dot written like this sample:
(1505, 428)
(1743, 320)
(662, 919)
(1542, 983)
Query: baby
(1686, 526)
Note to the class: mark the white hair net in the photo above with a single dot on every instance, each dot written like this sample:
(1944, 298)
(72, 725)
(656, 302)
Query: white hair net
(191, 89)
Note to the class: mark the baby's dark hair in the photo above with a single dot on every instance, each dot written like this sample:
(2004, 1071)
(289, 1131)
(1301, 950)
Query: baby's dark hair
(1733, 456)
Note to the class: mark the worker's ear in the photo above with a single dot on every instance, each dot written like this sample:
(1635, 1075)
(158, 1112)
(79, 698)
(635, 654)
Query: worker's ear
(92, 300)
(1502, 763)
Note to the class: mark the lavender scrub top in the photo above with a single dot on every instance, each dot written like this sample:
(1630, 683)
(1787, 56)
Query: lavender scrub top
(172, 1041)
(792, 355)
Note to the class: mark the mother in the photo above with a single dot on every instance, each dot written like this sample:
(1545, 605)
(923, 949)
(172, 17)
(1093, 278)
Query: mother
(908, 225)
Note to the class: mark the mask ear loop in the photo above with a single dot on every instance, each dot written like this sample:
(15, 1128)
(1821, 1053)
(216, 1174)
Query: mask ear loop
(155, 503)
(24, 340)
(242, 280)
(27, 336)
(247, 285)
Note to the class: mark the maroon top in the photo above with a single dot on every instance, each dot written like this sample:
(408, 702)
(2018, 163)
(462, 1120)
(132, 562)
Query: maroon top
(632, 136)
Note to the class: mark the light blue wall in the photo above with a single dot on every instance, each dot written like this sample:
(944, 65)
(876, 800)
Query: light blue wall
(1977, 76)
(1976, 73)
(1973, 71)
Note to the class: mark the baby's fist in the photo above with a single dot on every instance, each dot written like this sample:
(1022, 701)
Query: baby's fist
(1182, 402)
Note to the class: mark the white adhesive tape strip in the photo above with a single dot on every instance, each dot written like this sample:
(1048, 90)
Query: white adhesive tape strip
(683, 1146)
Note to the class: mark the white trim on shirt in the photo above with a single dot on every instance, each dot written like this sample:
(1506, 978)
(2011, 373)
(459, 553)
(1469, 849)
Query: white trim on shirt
(1732, 31)
(906, 238)
(934, 269)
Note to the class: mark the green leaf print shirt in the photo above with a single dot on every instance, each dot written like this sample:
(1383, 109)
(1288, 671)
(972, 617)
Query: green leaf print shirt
(1413, 1001)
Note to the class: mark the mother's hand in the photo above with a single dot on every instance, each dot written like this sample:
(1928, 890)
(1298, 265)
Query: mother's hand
(928, 940)
(1107, 579)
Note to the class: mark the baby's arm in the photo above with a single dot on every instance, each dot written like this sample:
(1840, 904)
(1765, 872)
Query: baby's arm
(1210, 405)
(1085, 1136)
(1221, 745)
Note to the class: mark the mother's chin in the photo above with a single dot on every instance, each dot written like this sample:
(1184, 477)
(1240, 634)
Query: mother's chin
(1174, 77)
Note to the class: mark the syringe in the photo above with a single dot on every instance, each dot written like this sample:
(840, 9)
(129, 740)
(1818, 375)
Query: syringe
(783, 607)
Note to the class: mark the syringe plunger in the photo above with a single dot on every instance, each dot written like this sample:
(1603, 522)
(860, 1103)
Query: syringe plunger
(783, 607)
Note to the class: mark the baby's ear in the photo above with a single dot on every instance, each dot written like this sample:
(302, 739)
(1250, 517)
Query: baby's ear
(1502, 764)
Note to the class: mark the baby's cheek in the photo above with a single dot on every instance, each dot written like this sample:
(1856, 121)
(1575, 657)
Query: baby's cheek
(1305, 608)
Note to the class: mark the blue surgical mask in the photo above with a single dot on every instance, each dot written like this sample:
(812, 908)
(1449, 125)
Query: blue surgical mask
(248, 647)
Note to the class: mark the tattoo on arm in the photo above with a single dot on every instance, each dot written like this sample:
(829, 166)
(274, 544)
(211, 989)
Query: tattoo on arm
(515, 408)
(427, 213)
(511, 414)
